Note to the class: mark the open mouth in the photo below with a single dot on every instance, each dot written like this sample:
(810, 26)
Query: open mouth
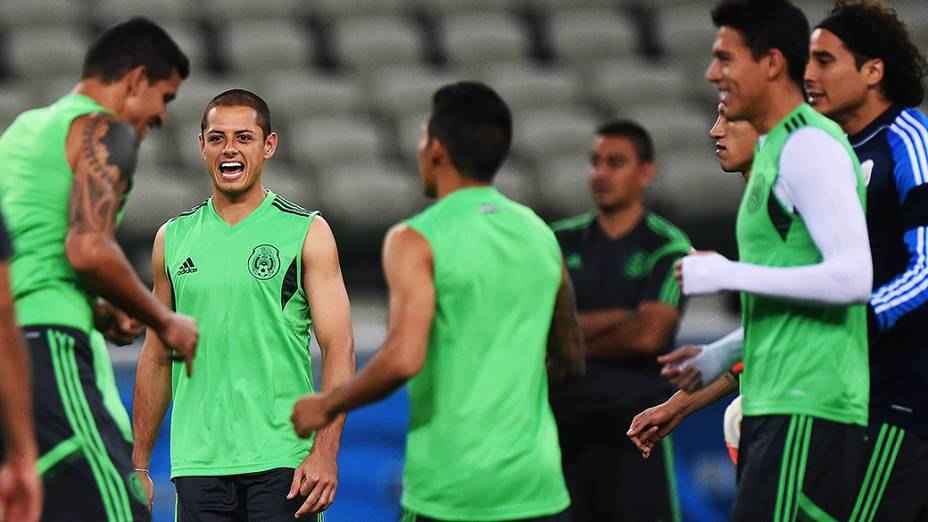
(814, 97)
(231, 169)
(719, 149)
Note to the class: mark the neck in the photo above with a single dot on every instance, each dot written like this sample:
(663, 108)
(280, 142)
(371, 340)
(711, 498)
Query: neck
(746, 174)
(865, 114)
(111, 96)
(234, 208)
(781, 98)
(453, 181)
(620, 221)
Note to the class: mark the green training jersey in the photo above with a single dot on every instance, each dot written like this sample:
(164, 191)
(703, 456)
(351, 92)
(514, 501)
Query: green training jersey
(807, 359)
(35, 186)
(482, 443)
(243, 285)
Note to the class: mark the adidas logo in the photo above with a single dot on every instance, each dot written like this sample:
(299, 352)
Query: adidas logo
(187, 267)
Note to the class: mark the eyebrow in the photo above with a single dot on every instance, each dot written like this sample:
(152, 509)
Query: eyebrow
(822, 54)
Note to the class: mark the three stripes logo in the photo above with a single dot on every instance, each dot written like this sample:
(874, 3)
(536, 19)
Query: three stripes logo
(187, 267)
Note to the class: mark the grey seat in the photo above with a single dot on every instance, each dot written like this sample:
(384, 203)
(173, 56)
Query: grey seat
(40, 52)
(621, 85)
(564, 184)
(374, 42)
(555, 132)
(369, 197)
(328, 142)
(526, 87)
(474, 40)
(583, 35)
(304, 94)
(257, 47)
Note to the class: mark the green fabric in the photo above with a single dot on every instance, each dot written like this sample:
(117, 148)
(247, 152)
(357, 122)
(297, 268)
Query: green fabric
(482, 442)
(811, 511)
(61, 451)
(106, 383)
(35, 186)
(808, 359)
(252, 361)
(80, 417)
(670, 469)
(882, 461)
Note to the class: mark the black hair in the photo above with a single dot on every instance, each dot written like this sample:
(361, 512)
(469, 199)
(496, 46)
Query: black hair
(632, 131)
(241, 98)
(475, 126)
(127, 45)
(869, 29)
(766, 25)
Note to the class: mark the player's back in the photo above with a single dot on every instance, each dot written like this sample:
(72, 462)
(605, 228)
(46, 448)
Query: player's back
(482, 441)
(35, 185)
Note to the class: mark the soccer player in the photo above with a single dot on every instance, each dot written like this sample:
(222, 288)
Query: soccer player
(20, 487)
(803, 274)
(867, 74)
(67, 172)
(620, 258)
(734, 146)
(477, 290)
(256, 271)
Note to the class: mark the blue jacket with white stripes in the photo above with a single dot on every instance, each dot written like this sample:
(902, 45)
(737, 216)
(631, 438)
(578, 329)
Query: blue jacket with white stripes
(893, 152)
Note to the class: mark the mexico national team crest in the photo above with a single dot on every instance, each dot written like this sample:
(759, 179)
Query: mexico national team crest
(264, 262)
(756, 195)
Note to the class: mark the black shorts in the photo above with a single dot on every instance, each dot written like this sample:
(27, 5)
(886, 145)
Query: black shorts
(892, 483)
(84, 460)
(411, 516)
(797, 467)
(609, 481)
(255, 497)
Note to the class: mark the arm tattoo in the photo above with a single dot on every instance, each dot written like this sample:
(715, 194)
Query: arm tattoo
(103, 174)
(566, 348)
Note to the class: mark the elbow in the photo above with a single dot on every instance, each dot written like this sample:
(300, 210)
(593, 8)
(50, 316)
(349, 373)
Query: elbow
(82, 253)
(854, 284)
(406, 366)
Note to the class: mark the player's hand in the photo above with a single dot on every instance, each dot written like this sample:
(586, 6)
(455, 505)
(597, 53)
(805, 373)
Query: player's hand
(309, 414)
(20, 490)
(114, 324)
(701, 272)
(148, 485)
(678, 268)
(316, 478)
(179, 333)
(653, 424)
(685, 377)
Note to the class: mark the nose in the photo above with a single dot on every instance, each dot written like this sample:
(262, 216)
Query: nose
(717, 130)
(811, 73)
(714, 71)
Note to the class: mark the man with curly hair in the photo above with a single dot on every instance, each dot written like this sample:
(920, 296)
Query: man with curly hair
(866, 74)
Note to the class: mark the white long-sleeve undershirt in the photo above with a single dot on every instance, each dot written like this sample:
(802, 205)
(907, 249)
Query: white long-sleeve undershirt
(817, 180)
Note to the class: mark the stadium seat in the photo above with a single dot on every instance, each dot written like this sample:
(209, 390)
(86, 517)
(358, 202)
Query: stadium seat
(254, 48)
(170, 12)
(302, 94)
(554, 132)
(694, 186)
(518, 184)
(622, 84)
(687, 33)
(224, 11)
(159, 194)
(564, 184)
(583, 35)
(39, 52)
(675, 126)
(375, 42)
(454, 7)
(526, 87)
(22, 14)
(13, 100)
(474, 40)
(556, 5)
(328, 142)
(331, 11)
(403, 91)
(364, 197)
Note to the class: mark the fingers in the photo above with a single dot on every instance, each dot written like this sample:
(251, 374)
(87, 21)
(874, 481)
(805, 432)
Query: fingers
(313, 490)
(295, 484)
(188, 364)
(679, 355)
(319, 499)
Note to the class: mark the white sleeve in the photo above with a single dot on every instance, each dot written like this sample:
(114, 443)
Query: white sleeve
(718, 357)
(818, 182)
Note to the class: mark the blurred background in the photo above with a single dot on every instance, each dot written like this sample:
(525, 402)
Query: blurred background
(349, 85)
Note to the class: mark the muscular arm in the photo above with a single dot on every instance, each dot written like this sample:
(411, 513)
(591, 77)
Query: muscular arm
(408, 267)
(566, 358)
(102, 152)
(325, 288)
(153, 373)
(616, 333)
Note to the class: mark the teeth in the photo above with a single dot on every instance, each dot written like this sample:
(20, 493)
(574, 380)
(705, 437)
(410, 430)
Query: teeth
(230, 164)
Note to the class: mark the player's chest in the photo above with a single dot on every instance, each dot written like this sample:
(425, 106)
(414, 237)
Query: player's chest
(605, 277)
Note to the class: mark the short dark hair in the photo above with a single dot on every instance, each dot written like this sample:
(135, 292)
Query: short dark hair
(127, 45)
(475, 126)
(769, 24)
(870, 30)
(633, 132)
(241, 98)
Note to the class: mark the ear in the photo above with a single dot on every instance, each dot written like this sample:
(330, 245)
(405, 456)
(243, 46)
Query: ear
(136, 79)
(270, 145)
(436, 152)
(873, 70)
(776, 64)
(202, 141)
(647, 171)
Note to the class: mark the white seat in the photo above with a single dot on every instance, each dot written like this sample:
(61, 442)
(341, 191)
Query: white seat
(377, 42)
(674, 127)
(623, 84)
(22, 14)
(366, 197)
(688, 33)
(332, 141)
(253, 47)
(583, 35)
(476, 39)
(563, 131)
(37, 53)
(404, 91)
(304, 94)
(564, 184)
(453, 7)
(110, 12)
(692, 184)
(334, 10)
(529, 87)
(242, 10)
